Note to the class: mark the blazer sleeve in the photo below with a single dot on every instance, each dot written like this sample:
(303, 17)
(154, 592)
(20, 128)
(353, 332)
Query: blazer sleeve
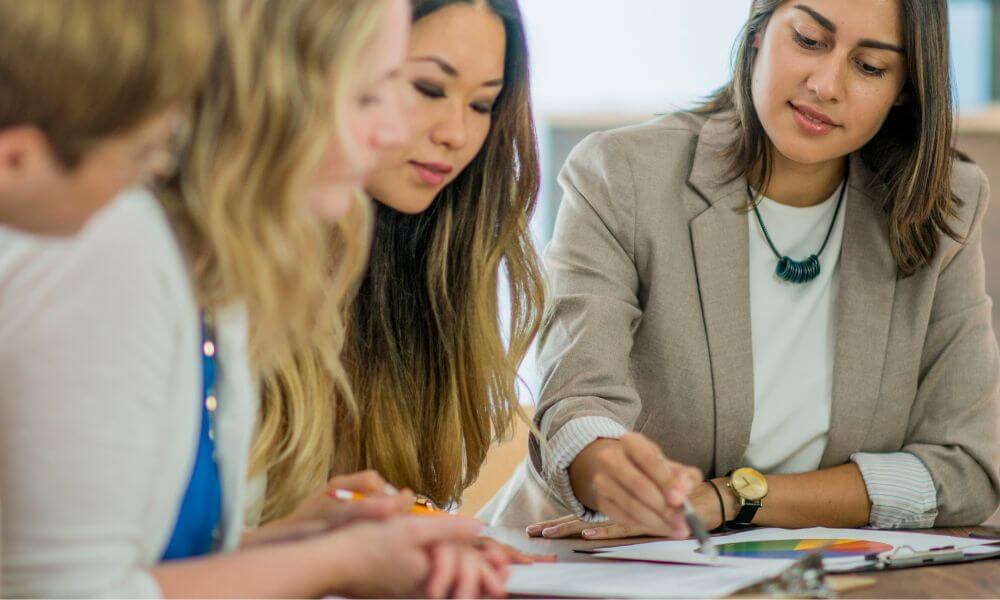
(953, 427)
(83, 394)
(594, 308)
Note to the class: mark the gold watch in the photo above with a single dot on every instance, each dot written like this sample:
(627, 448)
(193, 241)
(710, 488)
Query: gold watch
(750, 488)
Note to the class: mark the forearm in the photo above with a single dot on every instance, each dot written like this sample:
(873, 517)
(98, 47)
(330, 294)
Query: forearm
(291, 570)
(835, 497)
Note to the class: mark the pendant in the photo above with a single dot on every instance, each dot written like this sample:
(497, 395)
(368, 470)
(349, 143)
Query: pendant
(795, 271)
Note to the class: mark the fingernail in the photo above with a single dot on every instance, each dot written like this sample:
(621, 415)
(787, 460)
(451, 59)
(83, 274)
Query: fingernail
(390, 490)
(589, 532)
(533, 529)
(675, 497)
(548, 531)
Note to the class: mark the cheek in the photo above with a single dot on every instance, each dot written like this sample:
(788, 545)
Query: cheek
(478, 133)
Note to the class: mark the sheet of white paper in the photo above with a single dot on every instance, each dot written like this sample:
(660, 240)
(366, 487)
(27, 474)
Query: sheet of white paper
(685, 551)
(631, 580)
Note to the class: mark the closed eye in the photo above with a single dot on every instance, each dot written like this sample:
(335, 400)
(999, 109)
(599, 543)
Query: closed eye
(428, 90)
(807, 43)
(870, 70)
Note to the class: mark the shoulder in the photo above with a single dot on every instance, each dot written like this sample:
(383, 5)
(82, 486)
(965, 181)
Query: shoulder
(668, 138)
(124, 261)
(970, 185)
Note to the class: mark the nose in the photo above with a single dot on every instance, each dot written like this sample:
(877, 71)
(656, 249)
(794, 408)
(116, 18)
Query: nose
(451, 130)
(394, 129)
(827, 80)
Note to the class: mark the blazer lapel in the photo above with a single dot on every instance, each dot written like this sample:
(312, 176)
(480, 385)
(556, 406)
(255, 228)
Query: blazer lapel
(864, 309)
(720, 241)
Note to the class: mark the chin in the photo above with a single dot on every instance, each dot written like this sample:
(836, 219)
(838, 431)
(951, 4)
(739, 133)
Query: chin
(807, 153)
(410, 203)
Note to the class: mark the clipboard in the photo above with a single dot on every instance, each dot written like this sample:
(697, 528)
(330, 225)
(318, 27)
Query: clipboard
(905, 557)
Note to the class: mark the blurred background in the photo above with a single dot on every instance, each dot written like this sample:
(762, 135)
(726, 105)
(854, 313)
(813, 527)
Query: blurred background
(599, 64)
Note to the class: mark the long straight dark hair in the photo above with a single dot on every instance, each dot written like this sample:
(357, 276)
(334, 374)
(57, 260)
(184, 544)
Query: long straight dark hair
(911, 156)
(433, 371)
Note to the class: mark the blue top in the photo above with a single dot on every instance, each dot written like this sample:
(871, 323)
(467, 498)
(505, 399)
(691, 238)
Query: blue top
(195, 531)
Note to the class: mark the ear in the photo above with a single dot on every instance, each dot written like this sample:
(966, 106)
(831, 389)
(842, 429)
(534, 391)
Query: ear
(24, 149)
(900, 100)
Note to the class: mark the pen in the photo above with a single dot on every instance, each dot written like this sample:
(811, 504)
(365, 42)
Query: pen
(349, 495)
(705, 544)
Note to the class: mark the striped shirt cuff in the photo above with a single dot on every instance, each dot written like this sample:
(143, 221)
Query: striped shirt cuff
(900, 488)
(565, 445)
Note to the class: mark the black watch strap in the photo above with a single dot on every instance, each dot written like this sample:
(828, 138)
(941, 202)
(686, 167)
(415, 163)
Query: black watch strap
(744, 518)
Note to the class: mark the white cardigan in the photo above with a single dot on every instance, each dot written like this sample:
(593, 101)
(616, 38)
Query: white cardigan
(100, 390)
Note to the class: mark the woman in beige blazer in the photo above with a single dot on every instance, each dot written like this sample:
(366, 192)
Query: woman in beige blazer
(861, 386)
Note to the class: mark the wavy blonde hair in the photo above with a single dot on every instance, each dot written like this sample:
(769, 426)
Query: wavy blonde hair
(280, 83)
(434, 371)
(239, 205)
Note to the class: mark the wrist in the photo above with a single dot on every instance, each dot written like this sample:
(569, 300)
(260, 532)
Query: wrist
(730, 501)
(583, 468)
(338, 565)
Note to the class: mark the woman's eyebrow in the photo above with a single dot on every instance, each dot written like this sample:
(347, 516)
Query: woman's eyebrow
(832, 28)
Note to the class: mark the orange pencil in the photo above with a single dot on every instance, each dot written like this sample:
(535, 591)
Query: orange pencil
(418, 507)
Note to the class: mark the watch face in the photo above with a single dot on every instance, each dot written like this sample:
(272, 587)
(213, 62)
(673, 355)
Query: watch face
(749, 484)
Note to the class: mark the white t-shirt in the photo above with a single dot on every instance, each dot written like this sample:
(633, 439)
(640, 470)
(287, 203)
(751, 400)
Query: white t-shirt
(100, 391)
(794, 333)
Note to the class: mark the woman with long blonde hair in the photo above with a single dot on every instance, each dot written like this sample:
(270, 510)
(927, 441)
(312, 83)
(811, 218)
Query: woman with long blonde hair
(432, 369)
(159, 422)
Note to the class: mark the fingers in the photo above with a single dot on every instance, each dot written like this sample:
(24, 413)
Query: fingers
(444, 565)
(492, 582)
(469, 570)
(611, 531)
(536, 529)
(565, 530)
(367, 482)
(622, 498)
(424, 531)
(673, 480)
(495, 553)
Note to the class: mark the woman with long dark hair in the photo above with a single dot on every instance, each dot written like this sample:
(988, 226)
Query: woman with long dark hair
(782, 289)
(431, 372)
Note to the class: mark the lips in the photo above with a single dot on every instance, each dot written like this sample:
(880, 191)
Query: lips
(811, 120)
(432, 174)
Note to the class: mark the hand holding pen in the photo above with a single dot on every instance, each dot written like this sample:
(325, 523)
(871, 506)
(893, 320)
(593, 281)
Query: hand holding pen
(634, 484)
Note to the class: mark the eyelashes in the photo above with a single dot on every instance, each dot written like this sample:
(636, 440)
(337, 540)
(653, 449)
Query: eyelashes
(434, 92)
(865, 68)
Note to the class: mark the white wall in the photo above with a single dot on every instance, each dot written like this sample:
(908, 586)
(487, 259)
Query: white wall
(631, 56)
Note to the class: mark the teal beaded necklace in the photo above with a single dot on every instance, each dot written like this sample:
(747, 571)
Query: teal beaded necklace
(799, 271)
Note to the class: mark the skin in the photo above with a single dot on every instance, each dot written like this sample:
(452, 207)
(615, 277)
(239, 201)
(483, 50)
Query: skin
(373, 118)
(454, 74)
(39, 195)
(813, 53)
(374, 547)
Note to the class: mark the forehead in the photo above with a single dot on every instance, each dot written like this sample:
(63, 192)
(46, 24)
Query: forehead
(879, 20)
(387, 47)
(469, 37)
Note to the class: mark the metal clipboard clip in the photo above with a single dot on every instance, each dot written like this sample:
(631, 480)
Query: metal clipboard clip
(905, 556)
(806, 578)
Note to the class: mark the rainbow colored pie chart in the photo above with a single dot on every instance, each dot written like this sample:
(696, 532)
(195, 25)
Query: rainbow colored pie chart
(794, 549)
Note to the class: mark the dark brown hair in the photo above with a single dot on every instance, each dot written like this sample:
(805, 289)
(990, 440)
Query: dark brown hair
(911, 156)
(434, 372)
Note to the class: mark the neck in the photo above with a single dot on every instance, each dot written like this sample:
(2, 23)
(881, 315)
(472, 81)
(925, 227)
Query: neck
(803, 185)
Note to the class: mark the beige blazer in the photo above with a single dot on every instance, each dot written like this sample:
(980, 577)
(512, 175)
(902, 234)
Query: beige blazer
(650, 321)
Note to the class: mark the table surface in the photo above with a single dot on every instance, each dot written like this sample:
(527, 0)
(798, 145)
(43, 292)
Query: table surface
(967, 580)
